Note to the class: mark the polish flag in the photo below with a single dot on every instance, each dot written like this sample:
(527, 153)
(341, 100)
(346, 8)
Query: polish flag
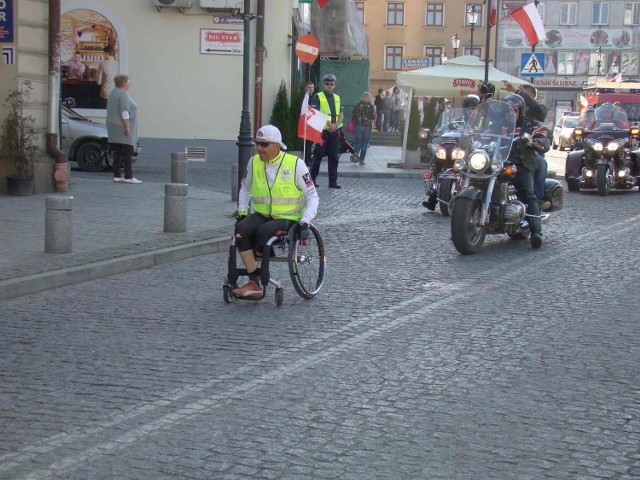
(529, 20)
(616, 78)
(311, 122)
(583, 102)
(323, 3)
(493, 19)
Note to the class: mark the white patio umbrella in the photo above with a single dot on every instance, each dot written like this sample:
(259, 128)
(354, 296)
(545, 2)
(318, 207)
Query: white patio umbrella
(455, 79)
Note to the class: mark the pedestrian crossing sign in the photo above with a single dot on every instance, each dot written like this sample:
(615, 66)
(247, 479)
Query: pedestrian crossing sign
(532, 65)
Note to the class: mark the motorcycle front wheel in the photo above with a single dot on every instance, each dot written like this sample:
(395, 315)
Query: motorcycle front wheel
(602, 183)
(466, 232)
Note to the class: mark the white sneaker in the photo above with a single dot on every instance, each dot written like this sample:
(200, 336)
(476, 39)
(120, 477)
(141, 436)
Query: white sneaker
(132, 180)
(118, 179)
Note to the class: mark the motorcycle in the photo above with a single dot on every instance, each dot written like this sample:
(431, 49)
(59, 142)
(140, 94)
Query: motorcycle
(487, 202)
(439, 177)
(604, 157)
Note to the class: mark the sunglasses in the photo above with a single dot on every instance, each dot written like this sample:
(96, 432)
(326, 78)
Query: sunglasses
(263, 144)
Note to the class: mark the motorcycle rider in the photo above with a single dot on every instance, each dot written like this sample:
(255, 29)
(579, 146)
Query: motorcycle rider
(469, 104)
(607, 113)
(524, 154)
(486, 91)
(535, 113)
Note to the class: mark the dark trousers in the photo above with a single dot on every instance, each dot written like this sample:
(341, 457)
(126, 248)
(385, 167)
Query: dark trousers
(331, 149)
(255, 230)
(308, 152)
(122, 155)
(539, 177)
(523, 181)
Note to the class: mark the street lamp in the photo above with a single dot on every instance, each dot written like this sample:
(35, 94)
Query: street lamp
(443, 57)
(599, 59)
(245, 137)
(455, 43)
(472, 19)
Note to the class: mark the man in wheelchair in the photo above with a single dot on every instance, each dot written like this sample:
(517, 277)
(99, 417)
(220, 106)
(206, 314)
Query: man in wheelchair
(282, 191)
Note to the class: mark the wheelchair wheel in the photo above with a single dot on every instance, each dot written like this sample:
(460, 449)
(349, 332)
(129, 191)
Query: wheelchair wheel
(306, 263)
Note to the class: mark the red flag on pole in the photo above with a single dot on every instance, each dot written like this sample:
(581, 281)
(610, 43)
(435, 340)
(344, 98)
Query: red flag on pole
(529, 20)
(494, 15)
(311, 122)
(323, 3)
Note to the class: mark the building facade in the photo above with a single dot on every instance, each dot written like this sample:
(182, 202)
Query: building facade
(185, 60)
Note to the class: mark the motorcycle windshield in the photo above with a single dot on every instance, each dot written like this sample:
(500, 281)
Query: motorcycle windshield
(491, 127)
(452, 120)
(609, 116)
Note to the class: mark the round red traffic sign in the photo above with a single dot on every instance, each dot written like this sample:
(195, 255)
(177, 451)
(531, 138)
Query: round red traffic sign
(307, 48)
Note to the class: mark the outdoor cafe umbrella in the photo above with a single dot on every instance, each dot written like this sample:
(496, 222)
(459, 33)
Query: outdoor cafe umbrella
(457, 78)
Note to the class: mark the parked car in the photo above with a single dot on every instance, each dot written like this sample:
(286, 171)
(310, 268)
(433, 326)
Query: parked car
(563, 132)
(85, 142)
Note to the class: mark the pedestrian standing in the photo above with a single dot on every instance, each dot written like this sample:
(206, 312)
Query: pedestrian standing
(364, 116)
(396, 102)
(308, 148)
(387, 108)
(107, 71)
(379, 101)
(328, 102)
(122, 128)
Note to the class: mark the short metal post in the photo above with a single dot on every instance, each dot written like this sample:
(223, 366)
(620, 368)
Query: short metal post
(175, 207)
(58, 229)
(179, 162)
(234, 182)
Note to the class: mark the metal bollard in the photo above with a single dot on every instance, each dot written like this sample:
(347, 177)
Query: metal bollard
(58, 229)
(175, 207)
(179, 162)
(234, 182)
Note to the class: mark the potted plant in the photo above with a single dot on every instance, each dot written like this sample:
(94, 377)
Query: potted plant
(19, 141)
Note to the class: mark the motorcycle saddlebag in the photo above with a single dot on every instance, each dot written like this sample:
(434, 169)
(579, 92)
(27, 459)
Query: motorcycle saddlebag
(553, 192)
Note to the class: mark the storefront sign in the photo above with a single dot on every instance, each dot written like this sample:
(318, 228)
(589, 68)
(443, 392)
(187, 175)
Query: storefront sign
(567, 39)
(221, 42)
(6, 21)
(413, 63)
(558, 82)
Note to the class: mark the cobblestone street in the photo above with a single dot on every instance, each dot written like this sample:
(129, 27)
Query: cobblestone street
(413, 362)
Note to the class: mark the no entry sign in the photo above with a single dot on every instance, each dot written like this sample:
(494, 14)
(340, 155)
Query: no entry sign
(307, 48)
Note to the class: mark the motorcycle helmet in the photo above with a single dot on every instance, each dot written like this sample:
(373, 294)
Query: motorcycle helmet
(471, 101)
(487, 90)
(516, 100)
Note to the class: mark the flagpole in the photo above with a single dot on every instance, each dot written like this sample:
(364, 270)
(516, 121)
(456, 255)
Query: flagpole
(533, 47)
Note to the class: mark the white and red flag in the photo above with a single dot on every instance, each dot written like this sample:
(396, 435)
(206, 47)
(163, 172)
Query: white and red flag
(493, 19)
(323, 3)
(584, 103)
(616, 78)
(311, 122)
(529, 20)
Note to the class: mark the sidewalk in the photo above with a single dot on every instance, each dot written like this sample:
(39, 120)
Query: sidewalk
(119, 228)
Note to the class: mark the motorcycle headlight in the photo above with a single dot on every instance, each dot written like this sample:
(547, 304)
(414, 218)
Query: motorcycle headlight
(423, 134)
(612, 147)
(441, 153)
(457, 154)
(496, 165)
(479, 161)
(459, 164)
(623, 172)
(598, 147)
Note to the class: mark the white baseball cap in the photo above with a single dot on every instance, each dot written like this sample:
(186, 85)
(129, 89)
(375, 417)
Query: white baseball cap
(269, 133)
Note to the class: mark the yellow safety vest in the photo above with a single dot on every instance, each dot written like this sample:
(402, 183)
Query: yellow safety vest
(324, 106)
(284, 200)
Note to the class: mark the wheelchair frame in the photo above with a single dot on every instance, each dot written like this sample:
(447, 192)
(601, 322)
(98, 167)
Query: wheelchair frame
(306, 264)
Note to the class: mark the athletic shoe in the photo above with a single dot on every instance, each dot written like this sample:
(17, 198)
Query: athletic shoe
(132, 180)
(249, 289)
(118, 179)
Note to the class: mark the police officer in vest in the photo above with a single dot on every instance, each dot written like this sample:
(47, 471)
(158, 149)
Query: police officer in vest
(283, 193)
(329, 103)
